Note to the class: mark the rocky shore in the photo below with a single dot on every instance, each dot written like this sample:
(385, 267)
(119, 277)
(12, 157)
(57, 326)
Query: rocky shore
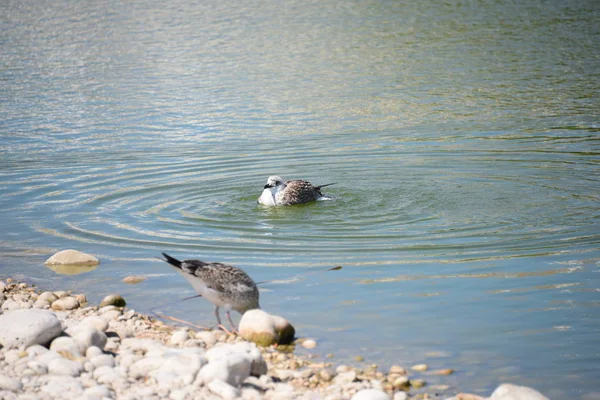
(57, 346)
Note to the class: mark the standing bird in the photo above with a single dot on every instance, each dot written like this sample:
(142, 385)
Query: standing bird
(221, 284)
(279, 192)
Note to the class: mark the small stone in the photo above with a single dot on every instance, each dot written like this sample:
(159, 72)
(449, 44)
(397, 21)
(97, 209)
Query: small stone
(179, 337)
(97, 392)
(72, 257)
(92, 352)
(370, 394)
(47, 297)
(396, 369)
(344, 378)
(132, 279)
(420, 367)
(285, 331)
(62, 366)
(66, 346)
(208, 337)
(97, 322)
(325, 375)
(86, 336)
(223, 390)
(401, 382)
(400, 395)
(61, 293)
(103, 360)
(81, 299)
(113, 300)
(10, 384)
(446, 371)
(309, 344)
(359, 358)
(65, 303)
(417, 383)
(37, 367)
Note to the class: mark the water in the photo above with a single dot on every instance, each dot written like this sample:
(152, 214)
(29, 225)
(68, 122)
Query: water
(463, 138)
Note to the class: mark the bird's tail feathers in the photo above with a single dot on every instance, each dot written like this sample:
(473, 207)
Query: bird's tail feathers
(173, 261)
(327, 184)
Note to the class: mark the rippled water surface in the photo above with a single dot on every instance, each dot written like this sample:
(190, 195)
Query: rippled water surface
(463, 138)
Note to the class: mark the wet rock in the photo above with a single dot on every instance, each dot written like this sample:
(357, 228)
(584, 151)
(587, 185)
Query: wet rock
(509, 391)
(208, 337)
(65, 303)
(445, 371)
(285, 331)
(23, 328)
(370, 394)
(113, 300)
(420, 367)
(72, 257)
(309, 344)
(47, 297)
(258, 327)
(417, 383)
(132, 280)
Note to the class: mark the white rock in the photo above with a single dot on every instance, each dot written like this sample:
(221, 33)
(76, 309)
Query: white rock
(38, 368)
(508, 391)
(147, 346)
(88, 366)
(65, 303)
(35, 350)
(10, 384)
(344, 378)
(68, 344)
(179, 337)
(103, 360)
(143, 367)
(72, 257)
(87, 336)
(44, 359)
(95, 321)
(12, 356)
(61, 387)
(96, 393)
(106, 374)
(309, 344)
(92, 352)
(245, 349)
(62, 366)
(47, 297)
(234, 370)
(23, 328)
(179, 394)
(208, 337)
(257, 326)
(179, 367)
(371, 394)
(400, 395)
(223, 390)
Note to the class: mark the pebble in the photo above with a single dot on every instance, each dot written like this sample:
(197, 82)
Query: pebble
(420, 367)
(179, 337)
(371, 394)
(10, 384)
(65, 303)
(132, 279)
(223, 389)
(63, 366)
(309, 344)
(113, 300)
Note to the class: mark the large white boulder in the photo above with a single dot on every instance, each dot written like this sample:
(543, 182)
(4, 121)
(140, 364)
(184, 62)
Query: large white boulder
(23, 328)
(264, 329)
(72, 257)
(509, 391)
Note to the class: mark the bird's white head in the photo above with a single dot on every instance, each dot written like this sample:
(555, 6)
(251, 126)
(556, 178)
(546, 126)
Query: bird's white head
(274, 182)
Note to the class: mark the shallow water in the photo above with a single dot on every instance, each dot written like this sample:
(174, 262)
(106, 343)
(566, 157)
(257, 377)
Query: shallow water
(463, 138)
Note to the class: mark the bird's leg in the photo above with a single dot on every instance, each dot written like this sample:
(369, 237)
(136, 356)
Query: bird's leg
(231, 322)
(217, 315)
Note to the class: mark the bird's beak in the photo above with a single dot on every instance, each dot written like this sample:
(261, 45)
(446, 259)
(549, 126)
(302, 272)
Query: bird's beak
(267, 186)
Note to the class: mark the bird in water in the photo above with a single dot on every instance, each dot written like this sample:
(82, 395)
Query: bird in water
(223, 285)
(279, 192)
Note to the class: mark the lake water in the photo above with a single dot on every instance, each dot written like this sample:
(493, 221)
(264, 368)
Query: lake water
(463, 137)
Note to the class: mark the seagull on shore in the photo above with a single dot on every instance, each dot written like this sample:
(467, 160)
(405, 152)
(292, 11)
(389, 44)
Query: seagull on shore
(223, 285)
(279, 192)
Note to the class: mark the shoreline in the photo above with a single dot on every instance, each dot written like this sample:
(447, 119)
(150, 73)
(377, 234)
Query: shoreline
(133, 355)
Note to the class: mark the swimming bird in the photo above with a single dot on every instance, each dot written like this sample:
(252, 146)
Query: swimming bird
(279, 192)
(223, 285)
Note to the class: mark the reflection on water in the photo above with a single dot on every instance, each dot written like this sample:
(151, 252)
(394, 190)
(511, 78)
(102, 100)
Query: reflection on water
(463, 137)
(71, 269)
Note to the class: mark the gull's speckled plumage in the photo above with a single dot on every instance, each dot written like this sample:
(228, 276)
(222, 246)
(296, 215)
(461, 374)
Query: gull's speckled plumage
(223, 285)
(279, 192)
